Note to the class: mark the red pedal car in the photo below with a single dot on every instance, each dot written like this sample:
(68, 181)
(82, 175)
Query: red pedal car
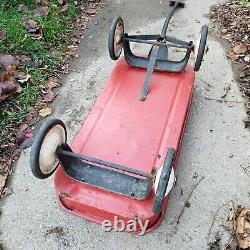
(121, 163)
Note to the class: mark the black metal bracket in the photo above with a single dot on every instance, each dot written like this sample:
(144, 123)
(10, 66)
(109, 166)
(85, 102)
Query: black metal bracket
(105, 175)
(157, 59)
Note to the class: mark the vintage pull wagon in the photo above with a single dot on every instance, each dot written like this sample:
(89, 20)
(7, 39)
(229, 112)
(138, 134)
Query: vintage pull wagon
(122, 161)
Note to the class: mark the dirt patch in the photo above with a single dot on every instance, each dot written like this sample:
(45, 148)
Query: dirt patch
(57, 231)
(231, 23)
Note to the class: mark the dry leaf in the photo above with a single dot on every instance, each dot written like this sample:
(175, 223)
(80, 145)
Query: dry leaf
(32, 28)
(33, 120)
(22, 8)
(62, 2)
(25, 58)
(40, 11)
(25, 79)
(2, 181)
(232, 214)
(30, 25)
(243, 229)
(8, 88)
(8, 83)
(240, 49)
(23, 126)
(45, 112)
(24, 139)
(6, 60)
(10, 73)
(53, 82)
(90, 11)
(49, 96)
(232, 56)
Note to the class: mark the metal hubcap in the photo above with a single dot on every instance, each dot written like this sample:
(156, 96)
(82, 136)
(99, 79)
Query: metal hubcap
(47, 158)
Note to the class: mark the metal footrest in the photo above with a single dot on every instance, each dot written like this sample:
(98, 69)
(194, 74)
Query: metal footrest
(109, 180)
(104, 175)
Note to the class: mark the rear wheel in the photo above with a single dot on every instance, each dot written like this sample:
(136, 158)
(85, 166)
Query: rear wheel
(200, 47)
(50, 137)
(116, 34)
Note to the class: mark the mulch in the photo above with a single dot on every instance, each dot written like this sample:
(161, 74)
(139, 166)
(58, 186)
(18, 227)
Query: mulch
(232, 22)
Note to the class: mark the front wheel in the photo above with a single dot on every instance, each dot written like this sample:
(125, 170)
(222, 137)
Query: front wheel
(200, 47)
(116, 34)
(43, 159)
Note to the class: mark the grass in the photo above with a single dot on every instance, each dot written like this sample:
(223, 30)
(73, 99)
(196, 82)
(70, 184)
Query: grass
(48, 51)
(242, 3)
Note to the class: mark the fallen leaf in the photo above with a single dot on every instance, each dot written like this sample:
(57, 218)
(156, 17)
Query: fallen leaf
(8, 83)
(25, 79)
(23, 126)
(40, 11)
(53, 82)
(240, 49)
(45, 112)
(242, 231)
(9, 74)
(62, 2)
(49, 96)
(6, 60)
(22, 8)
(77, 34)
(8, 88)
(33, 120)
(24, 139)
(2, 181)
(90, 11)
(232, 56)
(25, 58)
(33, 30)
(30, 25)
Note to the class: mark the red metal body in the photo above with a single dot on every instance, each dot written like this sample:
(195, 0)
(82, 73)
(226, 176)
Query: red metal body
(123, 130)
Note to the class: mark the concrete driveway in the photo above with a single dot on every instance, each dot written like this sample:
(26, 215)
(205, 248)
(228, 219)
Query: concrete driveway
(214, 146)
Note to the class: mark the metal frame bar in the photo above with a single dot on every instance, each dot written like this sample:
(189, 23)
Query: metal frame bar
(144, 37)
(61, 152)
(149, 73)
(155, 60)
(160, 65)
(168, 18)
(183, 46)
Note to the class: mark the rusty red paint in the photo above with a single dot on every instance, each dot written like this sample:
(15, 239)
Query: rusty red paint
(123, 130)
